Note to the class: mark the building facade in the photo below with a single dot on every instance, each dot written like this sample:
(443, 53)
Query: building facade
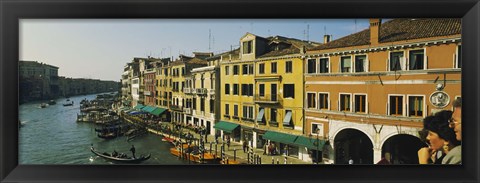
(262, 92)
(367, 93)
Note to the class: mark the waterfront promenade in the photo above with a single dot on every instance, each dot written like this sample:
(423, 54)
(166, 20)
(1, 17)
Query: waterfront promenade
(235, 150)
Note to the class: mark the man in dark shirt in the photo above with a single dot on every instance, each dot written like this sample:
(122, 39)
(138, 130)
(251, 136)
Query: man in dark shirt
(133, 151)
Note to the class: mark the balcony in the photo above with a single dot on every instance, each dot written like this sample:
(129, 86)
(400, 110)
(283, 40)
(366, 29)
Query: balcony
(147, 93)
(267, 99)
(273, 123)
(176, 108)
(247, 119)
(187, 111)
(201, 91)
(187, 90)
(226, 116)
(211, 92)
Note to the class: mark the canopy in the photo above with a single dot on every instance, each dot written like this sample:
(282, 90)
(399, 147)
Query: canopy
(280, 137)
(226, 126)
(139, 106)
(310, 143)
(157, 111)
(260, 115)
(287, 119)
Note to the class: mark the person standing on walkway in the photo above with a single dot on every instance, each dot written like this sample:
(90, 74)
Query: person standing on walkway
(133, 151)
(350, 162)
(245, 146)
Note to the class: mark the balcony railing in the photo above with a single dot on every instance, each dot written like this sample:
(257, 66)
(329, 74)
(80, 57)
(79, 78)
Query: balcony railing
(226, 116)
(187, 90)
(247, 119)
(201, 91)
(273, 123)
(176, 108)
(269, 99)
(147, 93)
(187, 110)
(211, 91)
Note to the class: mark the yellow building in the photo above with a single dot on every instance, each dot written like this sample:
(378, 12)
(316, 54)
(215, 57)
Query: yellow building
(367, 93)
(262, 92)
(180, 71)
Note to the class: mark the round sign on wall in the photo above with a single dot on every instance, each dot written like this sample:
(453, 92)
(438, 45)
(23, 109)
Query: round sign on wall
(439, 99)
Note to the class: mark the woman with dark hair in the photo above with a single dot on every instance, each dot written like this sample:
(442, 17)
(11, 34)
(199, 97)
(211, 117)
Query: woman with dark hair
(440, 138)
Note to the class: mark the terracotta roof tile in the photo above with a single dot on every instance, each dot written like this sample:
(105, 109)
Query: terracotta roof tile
(399, 30)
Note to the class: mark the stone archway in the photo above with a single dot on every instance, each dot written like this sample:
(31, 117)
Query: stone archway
(403, 148)
(353, 144)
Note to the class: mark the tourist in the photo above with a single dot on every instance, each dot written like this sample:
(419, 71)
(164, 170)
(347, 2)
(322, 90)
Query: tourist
(350, 162)
(441, 138)
(385, 159)
(454, 156)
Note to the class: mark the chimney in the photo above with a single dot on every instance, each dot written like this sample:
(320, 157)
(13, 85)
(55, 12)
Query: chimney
(326, 38)
(375, 24)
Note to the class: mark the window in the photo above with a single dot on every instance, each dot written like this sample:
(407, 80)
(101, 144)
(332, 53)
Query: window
(311, 100)
(274, 67)
(415, 106)
(247, 47)
(345, 64)
(273, 115)
(311, 65)
(324, 65)
(345, 102)
(360, 63)
(360, 103)
(183, 71)
(235, 70)
(397, 61)
(212, 104)
(235, 110)
(227, 89)
(250, 69)
(202, 104)
(459, 57)
(244, 89)
(317, 128)
(416, 60)
(261, 90)
(396, 105)
(323, 100)
(227, 70)
(261, 68)
(288, 90)
(247, 89)
(244, 69)
(194, 107)
(235, 89)
(248, 112)
(227, 109)
(288, 67)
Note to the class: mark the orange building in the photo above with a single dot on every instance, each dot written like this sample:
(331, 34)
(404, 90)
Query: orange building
(367, 93)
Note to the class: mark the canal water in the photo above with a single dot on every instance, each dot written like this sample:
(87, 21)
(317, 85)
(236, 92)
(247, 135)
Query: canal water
(51, 135)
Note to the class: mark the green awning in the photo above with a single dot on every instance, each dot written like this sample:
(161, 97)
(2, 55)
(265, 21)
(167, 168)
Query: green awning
(310, 143)
(226, 126)
(280, 137)
(148, 109)
(158, 111)
(139, 106)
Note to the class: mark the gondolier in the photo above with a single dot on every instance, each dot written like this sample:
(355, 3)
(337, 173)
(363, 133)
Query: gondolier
(133, 151)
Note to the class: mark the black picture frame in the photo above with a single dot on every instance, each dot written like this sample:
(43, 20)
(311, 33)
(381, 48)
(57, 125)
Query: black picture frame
(11, 11)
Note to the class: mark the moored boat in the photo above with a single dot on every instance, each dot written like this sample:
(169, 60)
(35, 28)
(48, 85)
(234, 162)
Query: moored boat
(52, 102)
(68, 104)
(121, 157)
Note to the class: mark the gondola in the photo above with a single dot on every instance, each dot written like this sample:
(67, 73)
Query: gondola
(124, 159)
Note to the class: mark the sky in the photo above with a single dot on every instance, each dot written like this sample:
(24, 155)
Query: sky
(99, 49)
